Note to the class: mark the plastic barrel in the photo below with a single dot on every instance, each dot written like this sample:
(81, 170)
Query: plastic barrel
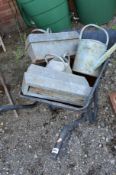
(24, 15)
(47, 13)
(95, 11)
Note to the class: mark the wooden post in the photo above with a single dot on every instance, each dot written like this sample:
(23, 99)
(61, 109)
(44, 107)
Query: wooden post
(7, 93)
(2, 44)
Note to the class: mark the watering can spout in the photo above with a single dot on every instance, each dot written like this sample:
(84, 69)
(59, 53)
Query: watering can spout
(105, 56)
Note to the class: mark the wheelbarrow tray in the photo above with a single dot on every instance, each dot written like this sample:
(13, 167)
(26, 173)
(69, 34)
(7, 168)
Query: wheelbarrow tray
(91, 98)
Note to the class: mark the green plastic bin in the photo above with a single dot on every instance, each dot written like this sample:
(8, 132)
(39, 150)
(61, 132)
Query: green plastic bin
(46, 13)
(26, 18)
(95, 11)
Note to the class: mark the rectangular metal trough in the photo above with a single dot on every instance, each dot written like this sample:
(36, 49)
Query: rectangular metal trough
(38, 45)
(49, 84)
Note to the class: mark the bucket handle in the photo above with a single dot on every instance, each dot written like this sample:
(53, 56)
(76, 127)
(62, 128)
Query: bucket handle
(96, 26)
(60, 58)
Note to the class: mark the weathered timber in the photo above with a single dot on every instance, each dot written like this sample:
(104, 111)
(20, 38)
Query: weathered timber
(2, 88)
(2, 44)
(7, 93)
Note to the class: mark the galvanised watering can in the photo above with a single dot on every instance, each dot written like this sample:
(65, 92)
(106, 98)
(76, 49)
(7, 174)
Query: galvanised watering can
(60, 64)
(89, 52)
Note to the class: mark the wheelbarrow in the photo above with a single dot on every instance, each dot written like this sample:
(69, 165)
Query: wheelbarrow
(87, 112)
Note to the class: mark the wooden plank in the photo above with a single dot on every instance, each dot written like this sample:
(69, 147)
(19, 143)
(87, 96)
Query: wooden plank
(2, 44)
(2, 88)
(56, 95)
(7, 93)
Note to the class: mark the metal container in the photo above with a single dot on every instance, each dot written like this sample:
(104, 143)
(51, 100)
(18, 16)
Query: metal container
(60, 64)
(38, 45)
(46, 83)
(88, 52)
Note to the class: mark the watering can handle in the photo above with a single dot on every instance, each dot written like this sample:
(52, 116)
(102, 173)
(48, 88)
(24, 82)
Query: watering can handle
(48, 30)
(96, 26)
(60, 58)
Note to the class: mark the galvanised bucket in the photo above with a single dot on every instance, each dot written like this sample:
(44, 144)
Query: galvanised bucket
(88, 52)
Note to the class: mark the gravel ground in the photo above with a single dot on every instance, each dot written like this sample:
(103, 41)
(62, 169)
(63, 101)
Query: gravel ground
(26, 141)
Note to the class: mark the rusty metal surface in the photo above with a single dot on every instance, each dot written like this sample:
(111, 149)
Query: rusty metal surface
(2, 44)
(72, 6)
(113, 100)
